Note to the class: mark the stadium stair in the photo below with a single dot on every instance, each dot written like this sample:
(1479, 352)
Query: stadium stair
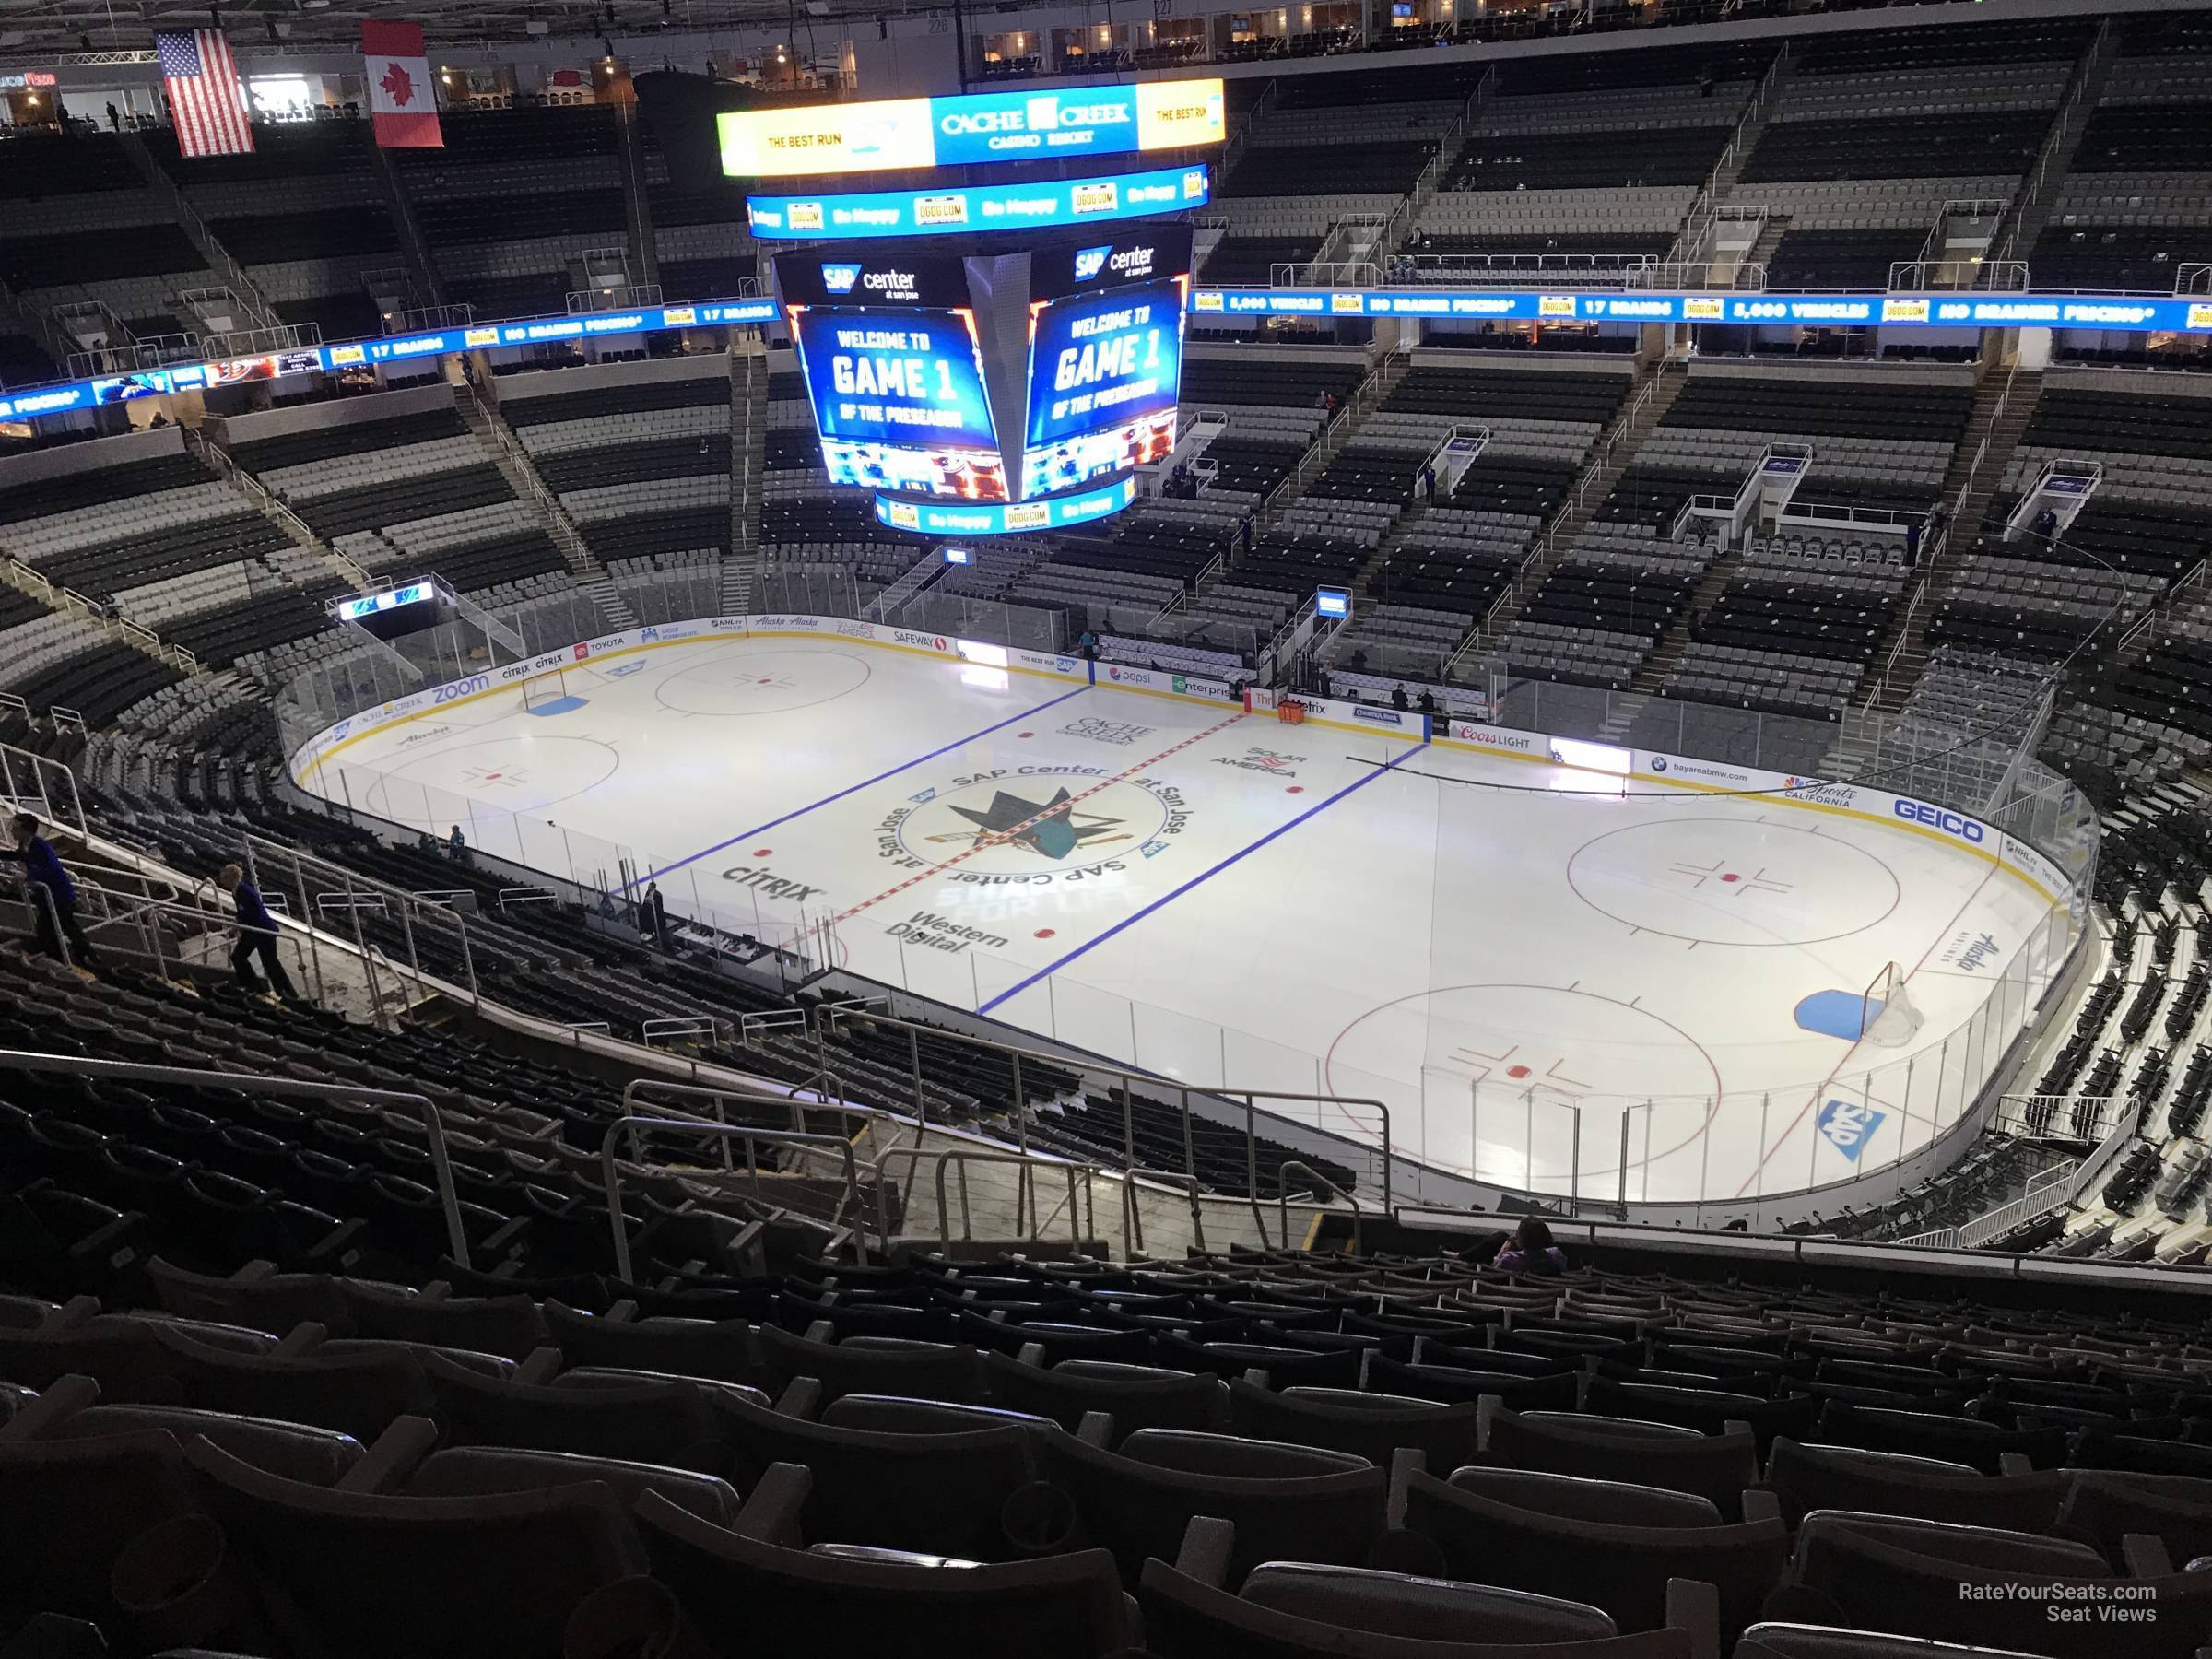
(219, 460)
(1609, 457)
(636, 198)
(2031, 211)
(411, 239)
(1692, 247)
(749, 457)
(2003, 406)
(259, 313)
(506, 451)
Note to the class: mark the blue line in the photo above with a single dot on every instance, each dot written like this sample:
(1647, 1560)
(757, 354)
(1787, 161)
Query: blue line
(1204, 876)
(841, 795)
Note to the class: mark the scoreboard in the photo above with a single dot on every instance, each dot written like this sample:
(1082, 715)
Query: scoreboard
(1024, 388)
(1105, 360)
(893, 364)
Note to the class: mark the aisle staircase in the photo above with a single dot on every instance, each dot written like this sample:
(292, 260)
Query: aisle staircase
(1654, 394)
(2031, 211)
(2004, 404)
(748, 460)
(506, 451)
(607, 600)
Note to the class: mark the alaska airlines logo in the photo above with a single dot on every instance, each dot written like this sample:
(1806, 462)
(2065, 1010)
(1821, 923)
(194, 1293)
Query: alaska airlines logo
(840, 278)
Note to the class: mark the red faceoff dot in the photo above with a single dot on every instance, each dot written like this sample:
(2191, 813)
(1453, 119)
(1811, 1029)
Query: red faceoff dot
(1026, 734)
(1296, 789)
(1731, 876)
(1516, 1071)
(1045, 933)
(762, 851)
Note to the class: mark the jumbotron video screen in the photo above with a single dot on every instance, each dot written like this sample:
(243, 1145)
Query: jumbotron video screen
(1000, 379)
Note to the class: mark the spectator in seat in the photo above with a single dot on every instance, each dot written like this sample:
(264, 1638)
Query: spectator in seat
(1530, 1250)
(456, 847)
(1398, 699)
(256, 935)
(52, 894)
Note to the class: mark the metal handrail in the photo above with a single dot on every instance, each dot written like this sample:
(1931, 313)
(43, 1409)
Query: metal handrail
(1132, 1220)
(256, 1082)
(1079, 1217)
(611, 1174)
(1282, 1202)
(762, 1093)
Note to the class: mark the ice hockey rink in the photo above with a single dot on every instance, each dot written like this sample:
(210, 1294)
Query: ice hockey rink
(1526, 965)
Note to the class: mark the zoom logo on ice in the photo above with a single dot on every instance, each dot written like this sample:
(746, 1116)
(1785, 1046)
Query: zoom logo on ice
(1951, 823)
(840, 278)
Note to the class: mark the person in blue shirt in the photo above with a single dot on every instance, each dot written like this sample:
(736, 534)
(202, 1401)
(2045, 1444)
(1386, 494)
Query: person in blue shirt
(53, 911)
(256, 935)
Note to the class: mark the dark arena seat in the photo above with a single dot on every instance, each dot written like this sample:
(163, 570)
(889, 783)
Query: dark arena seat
(1019, 1301)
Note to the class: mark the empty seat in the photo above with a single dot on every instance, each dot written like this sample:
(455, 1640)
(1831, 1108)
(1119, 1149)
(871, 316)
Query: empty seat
(758, 1600)
(1623, 1568)
(1286, 1501)
(370, 1574)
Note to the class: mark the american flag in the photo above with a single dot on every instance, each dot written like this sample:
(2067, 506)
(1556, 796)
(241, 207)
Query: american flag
(205, 98)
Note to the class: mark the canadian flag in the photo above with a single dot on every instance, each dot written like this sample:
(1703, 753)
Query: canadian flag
(402, 101)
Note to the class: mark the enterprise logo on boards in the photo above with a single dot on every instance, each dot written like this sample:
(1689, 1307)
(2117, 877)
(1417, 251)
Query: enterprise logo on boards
(840, 278)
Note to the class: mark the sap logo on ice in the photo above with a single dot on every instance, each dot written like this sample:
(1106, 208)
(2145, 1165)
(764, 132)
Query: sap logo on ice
(1951, 823)
(1090, 262)
(840, 278)
(1847, 1125)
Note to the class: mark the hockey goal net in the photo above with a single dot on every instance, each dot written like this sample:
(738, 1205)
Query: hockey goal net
(541, 690)
(1887, 1017)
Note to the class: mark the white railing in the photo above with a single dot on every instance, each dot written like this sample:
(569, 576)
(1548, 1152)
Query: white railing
(2044, 1194)
(218, 257)
(1347, 273)
(1705, 211)
(2062, 127)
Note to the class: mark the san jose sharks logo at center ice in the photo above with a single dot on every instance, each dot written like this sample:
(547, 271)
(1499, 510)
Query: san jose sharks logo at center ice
(1053, 827)
(1033, 824)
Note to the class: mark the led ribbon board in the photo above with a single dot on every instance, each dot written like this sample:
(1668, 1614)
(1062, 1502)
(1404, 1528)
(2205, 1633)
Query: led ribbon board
(985, 207)
(2113, 312)
(2107, 314)
(899, 134)
(1005, 518)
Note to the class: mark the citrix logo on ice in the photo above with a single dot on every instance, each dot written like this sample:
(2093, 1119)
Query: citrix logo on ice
(1951, 823)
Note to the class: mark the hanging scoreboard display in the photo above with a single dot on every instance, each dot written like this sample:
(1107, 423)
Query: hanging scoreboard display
(1105, 357)
(1009, 379)
(888, 349)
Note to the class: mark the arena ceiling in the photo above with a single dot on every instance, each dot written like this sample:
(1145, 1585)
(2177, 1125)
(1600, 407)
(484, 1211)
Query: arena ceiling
(51, 33)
